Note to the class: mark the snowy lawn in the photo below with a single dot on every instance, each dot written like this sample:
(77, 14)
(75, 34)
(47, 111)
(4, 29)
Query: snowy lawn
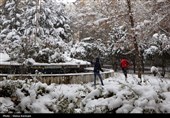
(116, 96)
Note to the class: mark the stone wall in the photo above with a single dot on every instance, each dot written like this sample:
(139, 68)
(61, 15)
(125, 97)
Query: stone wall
(74, 78)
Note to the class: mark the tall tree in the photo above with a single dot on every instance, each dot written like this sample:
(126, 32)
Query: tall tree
(34, 29)
(133, 36)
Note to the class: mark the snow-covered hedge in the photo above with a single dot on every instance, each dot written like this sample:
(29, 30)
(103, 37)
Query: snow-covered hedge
(116, 96)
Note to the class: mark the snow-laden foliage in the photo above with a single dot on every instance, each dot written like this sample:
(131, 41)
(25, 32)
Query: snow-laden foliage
(28, 28)
(117, 40)
(151, 51)
(50, 17)
(116, 96)
(10, 21)
(96, 18)
(159, 45)
(88, 49)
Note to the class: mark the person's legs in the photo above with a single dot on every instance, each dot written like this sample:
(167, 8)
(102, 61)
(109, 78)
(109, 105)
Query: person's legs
(95, 79)
(125, 72)
(100, 77)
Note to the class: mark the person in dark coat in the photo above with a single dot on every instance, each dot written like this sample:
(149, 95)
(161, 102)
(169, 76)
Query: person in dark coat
(97, 69)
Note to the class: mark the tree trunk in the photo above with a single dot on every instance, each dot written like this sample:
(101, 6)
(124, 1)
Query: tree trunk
(163, 69)
(163, 64)
(137, 52)
(115, 63)
(142, 62)
(134, 64)
(36, 19)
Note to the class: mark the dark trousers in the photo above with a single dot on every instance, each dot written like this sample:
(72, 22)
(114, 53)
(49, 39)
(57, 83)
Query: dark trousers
(100, 77)
(124, 71)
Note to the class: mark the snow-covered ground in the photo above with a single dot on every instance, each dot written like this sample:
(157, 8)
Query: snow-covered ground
(116, 96)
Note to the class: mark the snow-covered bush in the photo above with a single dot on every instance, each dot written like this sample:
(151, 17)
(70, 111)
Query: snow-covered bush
(154, 70)
(150, 52)
(116, 96)
(64, 105)
(8, 87)
(158, 47)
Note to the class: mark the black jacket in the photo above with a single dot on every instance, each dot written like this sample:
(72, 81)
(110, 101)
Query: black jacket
(97, 66)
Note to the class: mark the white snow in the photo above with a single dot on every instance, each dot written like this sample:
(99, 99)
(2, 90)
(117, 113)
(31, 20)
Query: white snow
(151, 50)
(65, 1)
(154, 69)
(4, 57)
(156, 35)
(117, 95)
(160, 0)
(97, 22)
